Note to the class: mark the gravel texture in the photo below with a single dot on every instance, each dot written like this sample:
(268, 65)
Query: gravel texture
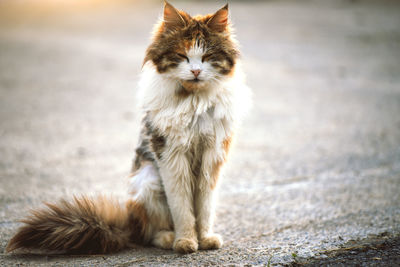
(316, 166)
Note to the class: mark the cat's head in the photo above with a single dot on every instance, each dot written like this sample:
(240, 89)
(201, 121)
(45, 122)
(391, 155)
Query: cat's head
(196, 51)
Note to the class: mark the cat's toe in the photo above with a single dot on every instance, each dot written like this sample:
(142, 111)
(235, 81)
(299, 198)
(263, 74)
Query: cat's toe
(185, 245)
(213, 241)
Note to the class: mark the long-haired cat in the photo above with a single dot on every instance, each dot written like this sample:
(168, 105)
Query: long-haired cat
(192, 95)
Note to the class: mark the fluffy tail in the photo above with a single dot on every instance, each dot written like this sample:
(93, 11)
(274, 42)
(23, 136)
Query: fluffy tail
(83, 226)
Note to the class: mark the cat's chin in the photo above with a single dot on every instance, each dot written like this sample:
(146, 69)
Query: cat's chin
(194, 85)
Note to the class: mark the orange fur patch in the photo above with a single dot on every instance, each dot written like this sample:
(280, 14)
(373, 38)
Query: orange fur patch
(191, 87)
(215, 174)
(226, 144)
(188, 44)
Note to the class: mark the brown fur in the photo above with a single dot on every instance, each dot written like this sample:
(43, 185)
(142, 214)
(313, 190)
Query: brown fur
(173, 37)
(157, 143)
(137, 222)
(144, 151)
(182, 93)
(83, 226)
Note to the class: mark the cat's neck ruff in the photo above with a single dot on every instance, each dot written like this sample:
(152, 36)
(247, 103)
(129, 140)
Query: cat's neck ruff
(159, 93)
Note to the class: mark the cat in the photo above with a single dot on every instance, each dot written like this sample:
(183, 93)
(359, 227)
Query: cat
(193, 95)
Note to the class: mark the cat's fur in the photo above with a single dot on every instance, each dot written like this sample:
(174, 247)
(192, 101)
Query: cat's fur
(193, 93)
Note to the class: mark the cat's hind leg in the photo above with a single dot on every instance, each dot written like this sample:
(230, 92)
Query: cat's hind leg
(164, 239)
(146, 188)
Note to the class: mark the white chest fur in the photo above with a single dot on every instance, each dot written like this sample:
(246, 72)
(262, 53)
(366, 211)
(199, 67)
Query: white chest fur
(211, 113)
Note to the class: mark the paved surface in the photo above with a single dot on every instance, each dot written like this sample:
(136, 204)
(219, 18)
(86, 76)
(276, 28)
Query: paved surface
(377, 251)
(316, 168)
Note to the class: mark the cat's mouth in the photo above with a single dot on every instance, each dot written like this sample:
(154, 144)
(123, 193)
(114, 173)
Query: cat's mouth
(195, 80)
(193, 84)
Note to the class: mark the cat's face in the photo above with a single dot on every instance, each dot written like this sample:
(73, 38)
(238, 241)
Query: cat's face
(196, 51)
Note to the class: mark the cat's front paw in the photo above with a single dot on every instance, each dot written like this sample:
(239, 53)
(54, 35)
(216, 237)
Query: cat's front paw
(185, 245)
(212, 241)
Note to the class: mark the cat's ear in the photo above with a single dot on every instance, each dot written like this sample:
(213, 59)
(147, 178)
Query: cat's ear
(172, 18)
(219, 21)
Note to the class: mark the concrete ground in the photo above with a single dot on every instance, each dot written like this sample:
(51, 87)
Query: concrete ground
(316, 167)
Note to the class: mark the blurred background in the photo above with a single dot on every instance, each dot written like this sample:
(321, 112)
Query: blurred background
(316, 164)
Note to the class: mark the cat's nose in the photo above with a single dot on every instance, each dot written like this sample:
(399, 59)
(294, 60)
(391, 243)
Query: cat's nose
(196, 72)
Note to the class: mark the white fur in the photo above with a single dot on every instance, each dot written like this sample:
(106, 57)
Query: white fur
(144, 182)
(228, 97)
(146, 188)
(212, 112)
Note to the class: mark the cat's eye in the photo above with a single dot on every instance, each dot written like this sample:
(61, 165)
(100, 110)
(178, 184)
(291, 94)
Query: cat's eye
(183, 56)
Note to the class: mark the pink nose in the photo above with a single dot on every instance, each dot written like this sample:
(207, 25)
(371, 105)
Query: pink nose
(196, 73)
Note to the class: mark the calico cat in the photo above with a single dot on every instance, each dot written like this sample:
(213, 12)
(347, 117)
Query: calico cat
(192, 95)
